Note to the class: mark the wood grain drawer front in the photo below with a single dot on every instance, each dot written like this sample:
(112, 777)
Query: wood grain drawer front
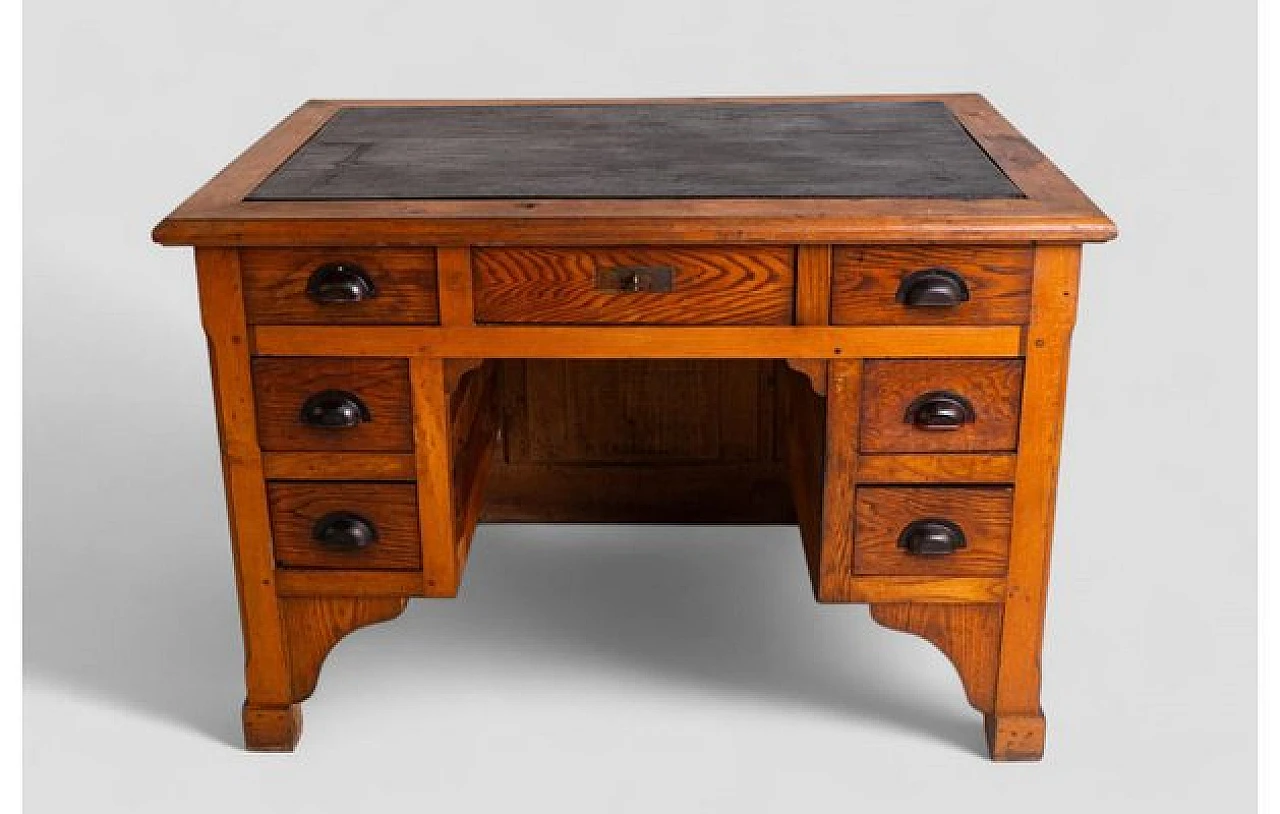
(876, 285)
(333, 405)
(884, 523)
(908, 405)
(749, 285)
(307, 525)
(340, 286)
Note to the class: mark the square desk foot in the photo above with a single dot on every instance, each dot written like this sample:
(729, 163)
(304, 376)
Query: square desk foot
(1015, 737)
(272, 729)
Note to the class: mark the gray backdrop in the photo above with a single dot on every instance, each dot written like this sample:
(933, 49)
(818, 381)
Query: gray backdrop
(618, 668)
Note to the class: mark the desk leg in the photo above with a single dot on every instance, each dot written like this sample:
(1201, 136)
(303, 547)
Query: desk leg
(272, 718)
(1016, 727)
(285, 639)
(993, 640)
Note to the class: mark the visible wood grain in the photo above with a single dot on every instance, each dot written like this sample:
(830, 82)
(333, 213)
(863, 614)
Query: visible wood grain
(813, 306)
(744, 493)
(866, 281)
(813, 284)
(317, 582)
(950, 468)
(283, 384)
(925, 589)
(607, 223)
(467, 398)
(814, 370)
(981, 513)
(639, 410)
(456, 369)
(475, 437)
(276, 287)
(803, 429)
(967, 634)
(1053, 211)
(337, 466)
(391, 507)
(722, 285)
(270, 722)
(315, 625)
(736, 473)
(840, 462)
(992, 386)
(457, 301)
(1016, 728)
(627, 342)
(433, 446)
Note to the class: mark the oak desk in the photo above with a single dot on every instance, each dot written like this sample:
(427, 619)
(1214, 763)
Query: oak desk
(849, 314)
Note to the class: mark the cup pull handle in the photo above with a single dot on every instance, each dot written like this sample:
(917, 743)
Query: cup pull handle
(334, 409)
(335, 283)
(940, 410)
(932, 288)
(344, 531)
(931, 538)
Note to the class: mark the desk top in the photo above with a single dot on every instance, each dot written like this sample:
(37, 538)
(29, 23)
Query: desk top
(825, 150)
(847, 169)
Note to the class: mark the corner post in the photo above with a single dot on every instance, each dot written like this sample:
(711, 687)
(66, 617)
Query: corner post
(272, 718)
(1016, 727)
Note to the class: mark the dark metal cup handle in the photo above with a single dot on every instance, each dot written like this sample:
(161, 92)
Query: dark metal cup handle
(334, 409)
(940, 410)
(340, 283)
(931, 538)
(932, 288)
(344, 531)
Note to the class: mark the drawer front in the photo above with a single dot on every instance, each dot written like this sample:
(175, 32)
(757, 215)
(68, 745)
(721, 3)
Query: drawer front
(909, 531)
(340, 286)
(940, 405)
(696, 286)
(932, 285)
(333, 405)
(345, 525)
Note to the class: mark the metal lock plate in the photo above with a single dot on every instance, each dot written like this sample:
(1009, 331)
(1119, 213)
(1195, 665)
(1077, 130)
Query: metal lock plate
(636, 279)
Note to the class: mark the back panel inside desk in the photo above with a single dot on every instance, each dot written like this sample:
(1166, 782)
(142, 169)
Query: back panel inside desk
(639, 441)
(848, 314)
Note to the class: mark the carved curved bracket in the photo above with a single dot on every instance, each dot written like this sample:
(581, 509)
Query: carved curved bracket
(456, 369)
(815, 370)
(313, 625)
(969, 635)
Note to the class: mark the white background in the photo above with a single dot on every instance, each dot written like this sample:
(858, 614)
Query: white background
(590, 669)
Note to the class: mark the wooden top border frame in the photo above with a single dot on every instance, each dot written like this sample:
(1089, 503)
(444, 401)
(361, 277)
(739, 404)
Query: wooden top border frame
(1054, 210)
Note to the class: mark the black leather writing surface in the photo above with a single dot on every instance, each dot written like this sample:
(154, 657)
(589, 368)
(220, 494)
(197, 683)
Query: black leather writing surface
(714, 150)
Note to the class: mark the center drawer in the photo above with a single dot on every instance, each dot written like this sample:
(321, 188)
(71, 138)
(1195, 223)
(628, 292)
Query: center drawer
(732, 285)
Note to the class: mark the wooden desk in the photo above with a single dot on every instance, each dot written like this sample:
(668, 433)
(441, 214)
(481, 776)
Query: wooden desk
(849, 314)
